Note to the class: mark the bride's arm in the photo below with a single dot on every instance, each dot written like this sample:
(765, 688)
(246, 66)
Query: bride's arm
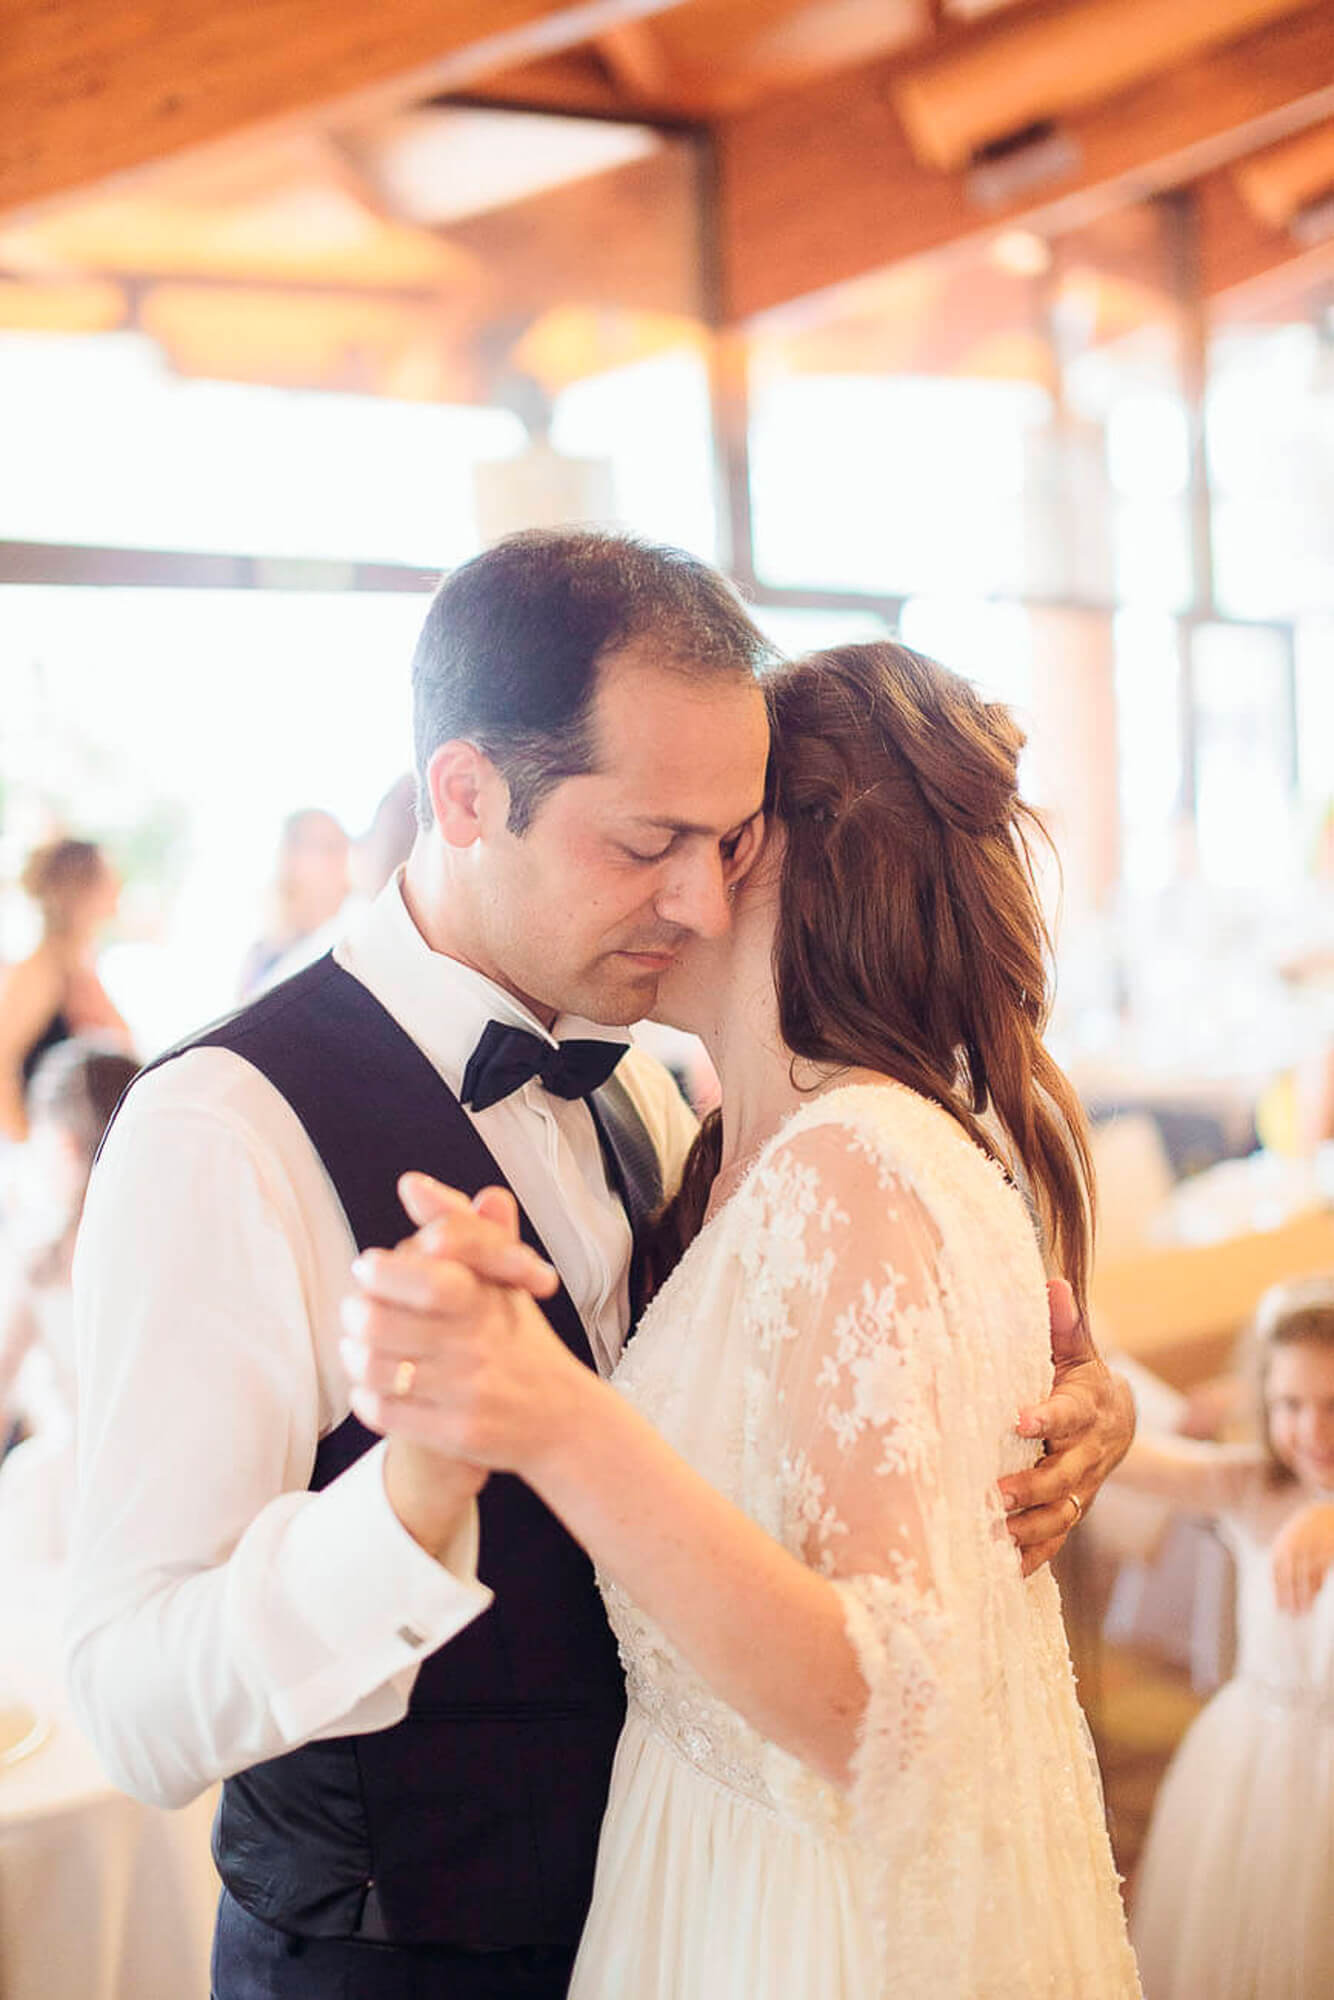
(839, 1327)
(765, 1632)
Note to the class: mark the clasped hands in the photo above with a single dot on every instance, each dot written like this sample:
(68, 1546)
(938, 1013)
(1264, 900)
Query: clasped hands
(447, 1349)
(444, 1342)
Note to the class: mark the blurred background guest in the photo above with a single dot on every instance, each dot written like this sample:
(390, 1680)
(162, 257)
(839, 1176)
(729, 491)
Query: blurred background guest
(55, 992)
(1316, 1100)
(323, 878)
(310, 888)
(387, 841)
(687, 1059)
(75, 1088)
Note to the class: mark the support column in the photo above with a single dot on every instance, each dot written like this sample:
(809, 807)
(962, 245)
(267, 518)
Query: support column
(1075, 750)
(729, 398)
(1179, 209)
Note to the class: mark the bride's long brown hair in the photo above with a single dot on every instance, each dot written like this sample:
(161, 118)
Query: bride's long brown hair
(910, 938)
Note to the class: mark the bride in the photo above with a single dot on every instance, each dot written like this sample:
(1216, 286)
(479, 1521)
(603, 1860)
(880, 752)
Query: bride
(853, 1763)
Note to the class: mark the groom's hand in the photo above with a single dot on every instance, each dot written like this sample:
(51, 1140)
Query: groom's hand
(1087, 1422)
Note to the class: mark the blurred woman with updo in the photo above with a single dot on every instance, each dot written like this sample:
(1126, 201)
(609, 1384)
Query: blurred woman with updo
(55, 992)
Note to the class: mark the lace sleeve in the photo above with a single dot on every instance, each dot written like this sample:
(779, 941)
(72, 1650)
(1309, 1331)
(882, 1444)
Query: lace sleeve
(895, 1310)
(845, 1290)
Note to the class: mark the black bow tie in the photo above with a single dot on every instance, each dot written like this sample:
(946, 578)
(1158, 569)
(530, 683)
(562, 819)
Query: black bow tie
(505, 1058)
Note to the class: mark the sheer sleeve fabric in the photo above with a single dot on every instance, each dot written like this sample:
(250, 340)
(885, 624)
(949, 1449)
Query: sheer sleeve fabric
(844, 1288)
(897, 1316)
(895, 1319)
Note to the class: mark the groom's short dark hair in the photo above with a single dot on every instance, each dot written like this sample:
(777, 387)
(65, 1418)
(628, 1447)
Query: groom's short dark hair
(508, 657)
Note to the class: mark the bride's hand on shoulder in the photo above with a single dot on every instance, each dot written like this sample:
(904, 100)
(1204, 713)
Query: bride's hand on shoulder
(444, 1342)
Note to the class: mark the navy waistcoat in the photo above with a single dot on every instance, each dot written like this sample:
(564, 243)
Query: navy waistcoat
(474, 1821)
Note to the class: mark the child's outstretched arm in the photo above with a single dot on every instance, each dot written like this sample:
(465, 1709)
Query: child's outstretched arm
(1194, 1477)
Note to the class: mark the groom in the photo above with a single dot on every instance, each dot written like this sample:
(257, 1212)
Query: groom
(263, 1592)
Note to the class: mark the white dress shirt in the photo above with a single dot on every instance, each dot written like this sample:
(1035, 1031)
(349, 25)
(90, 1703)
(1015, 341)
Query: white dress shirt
(220, 1612)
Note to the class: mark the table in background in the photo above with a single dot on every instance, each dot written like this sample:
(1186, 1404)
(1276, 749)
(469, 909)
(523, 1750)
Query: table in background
(100, 1898)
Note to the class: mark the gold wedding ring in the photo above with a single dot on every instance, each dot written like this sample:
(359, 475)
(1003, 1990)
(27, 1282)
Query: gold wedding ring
(1079, 1509)
(404, 1376)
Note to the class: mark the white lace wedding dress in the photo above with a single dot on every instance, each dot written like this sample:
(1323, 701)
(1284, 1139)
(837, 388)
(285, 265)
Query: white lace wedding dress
(842, 1352)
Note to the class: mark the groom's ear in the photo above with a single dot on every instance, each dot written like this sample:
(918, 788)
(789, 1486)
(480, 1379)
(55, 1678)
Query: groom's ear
(460, 777)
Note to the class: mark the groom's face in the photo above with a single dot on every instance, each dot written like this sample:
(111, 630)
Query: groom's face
(585, 911)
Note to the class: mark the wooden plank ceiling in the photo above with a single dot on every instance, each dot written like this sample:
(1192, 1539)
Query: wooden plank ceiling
(343, 196)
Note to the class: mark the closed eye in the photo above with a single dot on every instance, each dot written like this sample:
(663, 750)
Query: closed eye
(729, 847)
(659, 854)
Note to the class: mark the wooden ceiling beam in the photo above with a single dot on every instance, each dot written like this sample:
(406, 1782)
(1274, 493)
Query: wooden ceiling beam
(1004, 74)
(728, 55)
(821, 186)
(91, 90)
(577, 82)
(1244, 258)
(712, 58)
(620, 239)
(637, 62)
(1276, 184)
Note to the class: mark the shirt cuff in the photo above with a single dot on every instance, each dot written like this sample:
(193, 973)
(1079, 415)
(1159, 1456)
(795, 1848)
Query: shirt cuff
(371, 1595)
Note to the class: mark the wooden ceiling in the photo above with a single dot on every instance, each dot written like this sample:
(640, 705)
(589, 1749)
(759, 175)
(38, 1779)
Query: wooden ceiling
(327, 195)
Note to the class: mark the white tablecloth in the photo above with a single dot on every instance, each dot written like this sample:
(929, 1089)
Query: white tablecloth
(100, 1898)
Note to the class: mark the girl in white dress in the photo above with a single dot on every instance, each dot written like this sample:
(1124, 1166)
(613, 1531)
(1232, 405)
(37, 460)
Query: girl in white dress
(1236, 1889)
(853, 1763)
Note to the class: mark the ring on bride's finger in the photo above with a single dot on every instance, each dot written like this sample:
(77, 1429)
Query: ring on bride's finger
(1078, 1507)
(404, 1376)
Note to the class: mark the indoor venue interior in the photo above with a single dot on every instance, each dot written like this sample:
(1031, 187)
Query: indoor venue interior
(997, 330)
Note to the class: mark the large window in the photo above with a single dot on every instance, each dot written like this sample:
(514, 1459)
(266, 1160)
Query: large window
(898, 437)
(105, 445)
(467, 321)
(1271, 461)
(181, 727)
(354, 369)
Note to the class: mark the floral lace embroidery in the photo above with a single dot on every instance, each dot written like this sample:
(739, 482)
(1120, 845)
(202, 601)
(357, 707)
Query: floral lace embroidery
(841, 1353)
